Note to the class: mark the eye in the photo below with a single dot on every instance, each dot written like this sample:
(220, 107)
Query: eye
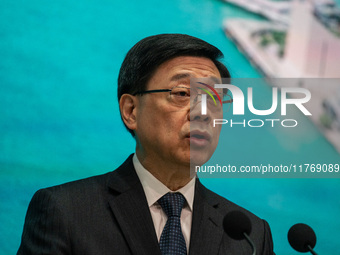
(181, 92)
(212, 98)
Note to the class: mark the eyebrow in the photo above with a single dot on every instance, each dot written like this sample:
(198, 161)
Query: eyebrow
(215, 79)
(181, 76)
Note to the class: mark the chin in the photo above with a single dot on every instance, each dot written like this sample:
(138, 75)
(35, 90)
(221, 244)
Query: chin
(181, 158)
(199, 158)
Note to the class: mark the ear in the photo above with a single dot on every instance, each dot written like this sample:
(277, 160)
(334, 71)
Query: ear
(127, 106)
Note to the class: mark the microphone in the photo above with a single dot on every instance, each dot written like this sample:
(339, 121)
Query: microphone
(238, 226)
(302, 238)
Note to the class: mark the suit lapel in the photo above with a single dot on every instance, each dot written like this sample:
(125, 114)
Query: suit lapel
(206, 230)
(130, 207)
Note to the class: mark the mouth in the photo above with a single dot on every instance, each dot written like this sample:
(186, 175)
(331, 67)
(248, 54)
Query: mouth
(199, 138)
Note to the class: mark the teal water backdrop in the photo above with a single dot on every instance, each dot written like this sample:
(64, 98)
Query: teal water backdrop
(59, 118)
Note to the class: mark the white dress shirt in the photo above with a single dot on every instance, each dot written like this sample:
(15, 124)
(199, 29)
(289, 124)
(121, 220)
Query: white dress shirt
(154, 190)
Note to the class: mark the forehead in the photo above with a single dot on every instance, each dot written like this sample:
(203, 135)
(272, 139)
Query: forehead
(184, 68)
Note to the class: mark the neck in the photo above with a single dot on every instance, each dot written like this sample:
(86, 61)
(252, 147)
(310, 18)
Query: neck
(172, 175)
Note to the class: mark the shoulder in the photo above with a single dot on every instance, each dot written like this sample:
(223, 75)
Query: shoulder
(215, 200)
(89, 190)
(95, 184)
(224, 206)
(66, 197)
(79, 186)
(260, 233)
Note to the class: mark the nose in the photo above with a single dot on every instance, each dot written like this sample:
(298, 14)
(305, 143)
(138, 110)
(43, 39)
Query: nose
(195, 113)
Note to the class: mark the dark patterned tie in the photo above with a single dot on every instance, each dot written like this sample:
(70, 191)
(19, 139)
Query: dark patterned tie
(172, 240)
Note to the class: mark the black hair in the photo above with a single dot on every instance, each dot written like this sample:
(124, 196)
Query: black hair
(147, 55)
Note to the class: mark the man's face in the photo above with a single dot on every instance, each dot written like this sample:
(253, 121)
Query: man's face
(165, 130)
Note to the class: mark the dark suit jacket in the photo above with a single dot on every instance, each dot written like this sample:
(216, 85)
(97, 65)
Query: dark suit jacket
(108, 214)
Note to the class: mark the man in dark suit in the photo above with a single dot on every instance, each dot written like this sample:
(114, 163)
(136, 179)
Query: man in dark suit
(151, 204)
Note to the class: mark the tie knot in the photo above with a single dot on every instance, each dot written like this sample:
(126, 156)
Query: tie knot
(172, 204)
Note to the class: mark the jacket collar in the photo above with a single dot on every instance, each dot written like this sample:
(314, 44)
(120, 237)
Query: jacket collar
(129, 205)
(206, 230)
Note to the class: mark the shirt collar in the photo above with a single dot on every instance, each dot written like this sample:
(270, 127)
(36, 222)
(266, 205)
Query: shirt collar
(154, 189)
